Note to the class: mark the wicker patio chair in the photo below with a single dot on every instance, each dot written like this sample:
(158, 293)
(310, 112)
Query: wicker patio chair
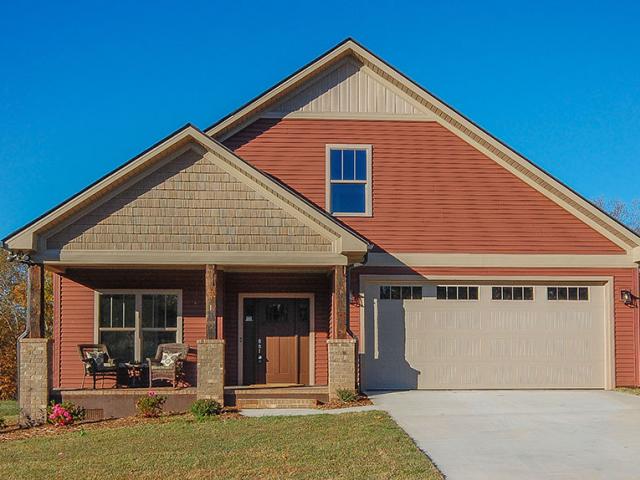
(168, 363)
(97, 363)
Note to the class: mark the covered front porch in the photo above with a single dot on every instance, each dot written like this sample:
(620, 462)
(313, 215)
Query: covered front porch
(274, 323)
(256, 337)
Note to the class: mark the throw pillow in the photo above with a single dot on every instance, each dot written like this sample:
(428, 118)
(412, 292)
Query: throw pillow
(168, 359)
(98, 356)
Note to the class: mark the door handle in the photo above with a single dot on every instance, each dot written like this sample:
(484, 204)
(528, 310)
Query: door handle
(260, 357)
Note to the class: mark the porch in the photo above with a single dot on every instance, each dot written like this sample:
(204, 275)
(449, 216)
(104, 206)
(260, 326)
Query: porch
(257, 338)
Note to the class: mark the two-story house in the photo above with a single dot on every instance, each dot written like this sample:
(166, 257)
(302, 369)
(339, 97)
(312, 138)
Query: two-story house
(345, 228)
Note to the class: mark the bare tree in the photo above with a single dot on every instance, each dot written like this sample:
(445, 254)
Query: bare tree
(625, 212)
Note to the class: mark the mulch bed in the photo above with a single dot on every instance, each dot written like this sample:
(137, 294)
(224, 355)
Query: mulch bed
(361, 401)
(17, 433)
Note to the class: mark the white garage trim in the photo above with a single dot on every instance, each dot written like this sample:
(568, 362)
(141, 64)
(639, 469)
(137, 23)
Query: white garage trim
(605, 281)
(404, 259)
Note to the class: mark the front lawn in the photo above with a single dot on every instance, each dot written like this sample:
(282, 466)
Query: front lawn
(357, 445)
(9, 411)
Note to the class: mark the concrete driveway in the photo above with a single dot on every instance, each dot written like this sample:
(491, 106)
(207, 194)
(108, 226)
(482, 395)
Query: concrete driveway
(522, 434)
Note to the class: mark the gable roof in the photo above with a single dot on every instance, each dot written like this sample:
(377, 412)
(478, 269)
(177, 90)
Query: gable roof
(345, 240)
(445, 115)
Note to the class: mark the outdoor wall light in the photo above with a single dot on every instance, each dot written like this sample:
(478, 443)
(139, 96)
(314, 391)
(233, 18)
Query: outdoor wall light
(627, 297)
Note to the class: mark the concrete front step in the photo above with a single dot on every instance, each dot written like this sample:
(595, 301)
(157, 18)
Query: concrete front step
(278, 397)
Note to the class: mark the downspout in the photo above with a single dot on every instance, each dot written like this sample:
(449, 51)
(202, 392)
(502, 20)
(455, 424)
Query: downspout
(349, 331)
(348, 275)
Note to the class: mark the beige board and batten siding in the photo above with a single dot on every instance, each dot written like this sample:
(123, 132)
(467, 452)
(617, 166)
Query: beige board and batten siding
(348, 88)
(486, 344)
(189, 204)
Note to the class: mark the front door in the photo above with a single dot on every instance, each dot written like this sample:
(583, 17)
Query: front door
(276, 340)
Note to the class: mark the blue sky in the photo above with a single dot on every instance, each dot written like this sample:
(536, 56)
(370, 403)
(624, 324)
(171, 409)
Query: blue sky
(84, 86)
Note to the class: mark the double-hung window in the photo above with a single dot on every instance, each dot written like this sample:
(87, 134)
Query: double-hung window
(349, 180)
(133, 323)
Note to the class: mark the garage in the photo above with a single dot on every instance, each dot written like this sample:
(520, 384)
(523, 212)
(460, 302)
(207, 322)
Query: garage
(485, 335)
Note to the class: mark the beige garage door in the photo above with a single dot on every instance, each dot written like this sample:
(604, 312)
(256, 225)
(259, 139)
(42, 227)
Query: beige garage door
(466, 336)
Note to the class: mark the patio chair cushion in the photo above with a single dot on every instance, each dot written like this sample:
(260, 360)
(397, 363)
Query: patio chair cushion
(98, 356)
(168, 359)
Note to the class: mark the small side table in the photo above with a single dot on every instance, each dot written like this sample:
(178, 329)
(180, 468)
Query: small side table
(137, 374)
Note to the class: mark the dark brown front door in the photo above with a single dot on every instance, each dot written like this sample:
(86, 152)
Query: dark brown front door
(276, 340)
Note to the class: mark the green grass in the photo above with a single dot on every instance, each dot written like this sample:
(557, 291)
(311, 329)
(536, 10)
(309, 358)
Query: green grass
(365, 445)
(9, 411)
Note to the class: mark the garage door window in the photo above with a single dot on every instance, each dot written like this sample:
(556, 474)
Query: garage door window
(451, 292)
(568, 293)
(512, 293)
(400, 292)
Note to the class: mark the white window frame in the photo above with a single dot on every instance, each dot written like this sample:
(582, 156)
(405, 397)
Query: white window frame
(137, 342)
(368, 203)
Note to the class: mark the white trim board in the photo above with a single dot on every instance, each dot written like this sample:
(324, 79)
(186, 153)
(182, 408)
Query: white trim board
(312, 325)
(378, 259)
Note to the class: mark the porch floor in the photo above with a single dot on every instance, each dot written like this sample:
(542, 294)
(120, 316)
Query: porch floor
(120, 402)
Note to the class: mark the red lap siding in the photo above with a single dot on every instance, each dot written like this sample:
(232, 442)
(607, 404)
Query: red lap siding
(77, 310)
(75, 322)
(432, 191)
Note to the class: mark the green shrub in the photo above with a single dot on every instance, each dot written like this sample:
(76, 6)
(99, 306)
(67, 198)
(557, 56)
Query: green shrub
(64, 413)
(151, 404)
(204, 408)
(347, 396)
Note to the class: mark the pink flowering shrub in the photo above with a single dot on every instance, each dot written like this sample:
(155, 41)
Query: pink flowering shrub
(65, 413)
(151, 404)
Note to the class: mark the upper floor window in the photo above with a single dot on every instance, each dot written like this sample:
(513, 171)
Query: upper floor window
(349, 180)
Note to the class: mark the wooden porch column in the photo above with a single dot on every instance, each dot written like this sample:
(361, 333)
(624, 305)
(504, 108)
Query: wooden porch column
(339, 314)
(220, 302)
(35, 305)
(211, 301)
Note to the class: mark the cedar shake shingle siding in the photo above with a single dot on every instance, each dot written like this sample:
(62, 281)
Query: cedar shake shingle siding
(189, 204)
(432, 191)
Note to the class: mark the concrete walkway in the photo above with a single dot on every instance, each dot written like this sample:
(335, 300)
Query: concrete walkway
(472, 435)
(293, 412)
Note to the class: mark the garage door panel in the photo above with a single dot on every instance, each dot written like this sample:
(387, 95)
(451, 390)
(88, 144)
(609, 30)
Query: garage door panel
(484, 343)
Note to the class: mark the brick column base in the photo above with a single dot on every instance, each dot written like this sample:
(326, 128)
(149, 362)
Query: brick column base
(36, 360)
(342, 366)
(211, 370)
